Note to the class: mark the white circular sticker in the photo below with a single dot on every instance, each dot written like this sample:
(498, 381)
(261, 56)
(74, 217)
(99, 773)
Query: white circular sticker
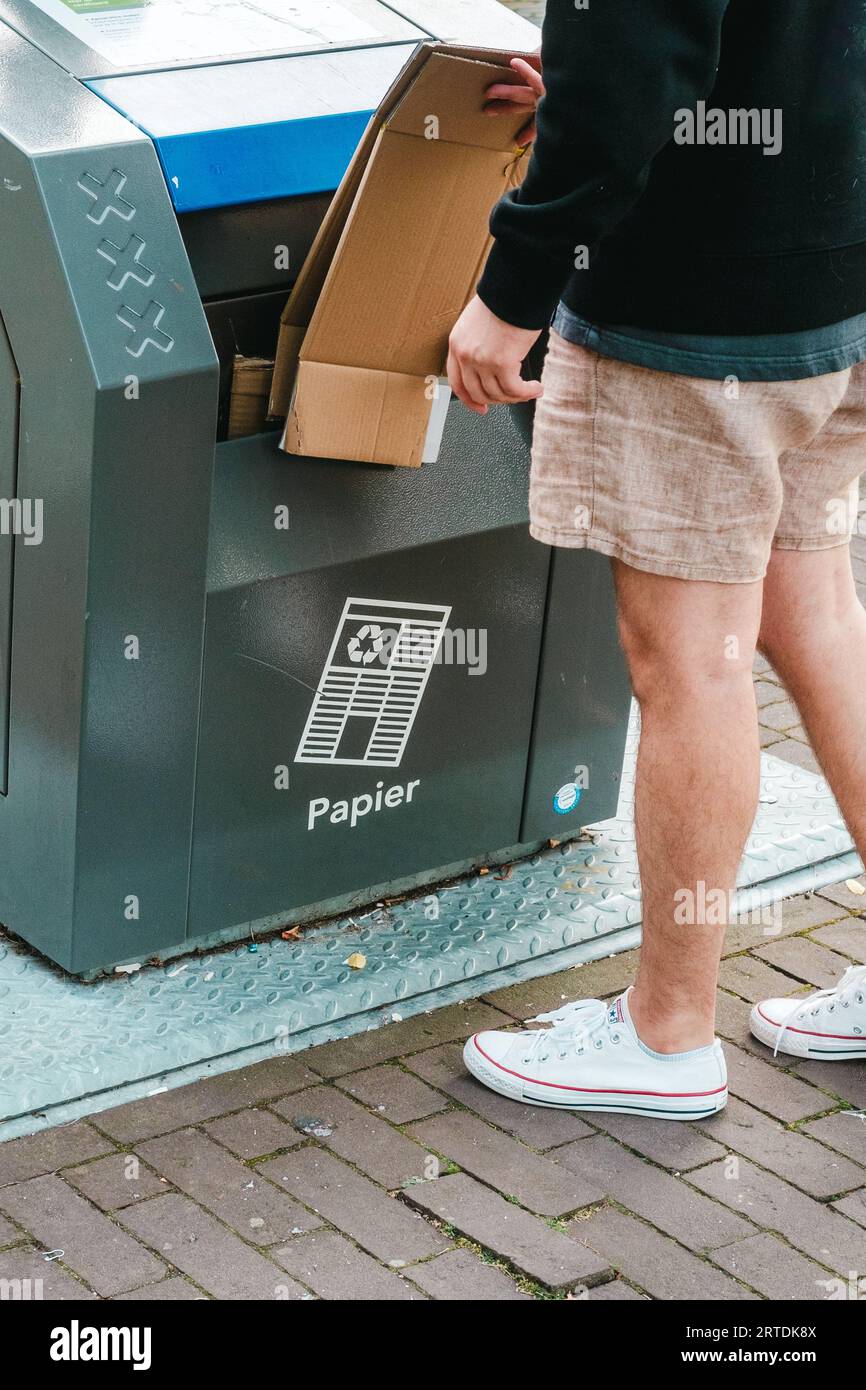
(566, 798)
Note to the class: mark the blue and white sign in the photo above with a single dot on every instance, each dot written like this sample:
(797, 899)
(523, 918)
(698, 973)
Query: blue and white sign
(567, 798)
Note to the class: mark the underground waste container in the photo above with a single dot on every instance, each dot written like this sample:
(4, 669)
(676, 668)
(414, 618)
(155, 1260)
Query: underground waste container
(238, 690)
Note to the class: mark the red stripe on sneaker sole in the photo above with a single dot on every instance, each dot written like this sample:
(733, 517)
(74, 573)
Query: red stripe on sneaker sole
(595, 1090)
(789, 1028)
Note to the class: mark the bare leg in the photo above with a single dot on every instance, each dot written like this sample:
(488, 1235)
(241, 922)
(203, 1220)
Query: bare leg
(690, 648)
(813, 631)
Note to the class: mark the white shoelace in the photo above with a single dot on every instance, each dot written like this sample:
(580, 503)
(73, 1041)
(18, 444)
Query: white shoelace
(574, 1026)
(853, 982)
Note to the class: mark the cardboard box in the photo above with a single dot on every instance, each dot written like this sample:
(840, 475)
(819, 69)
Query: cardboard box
(364, 336)
(251, 385)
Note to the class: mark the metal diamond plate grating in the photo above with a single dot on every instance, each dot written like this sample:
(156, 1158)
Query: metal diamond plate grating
(70, 1048)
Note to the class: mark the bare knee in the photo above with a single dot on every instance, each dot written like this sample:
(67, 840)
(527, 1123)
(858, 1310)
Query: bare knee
(670, 672)
(646, 653)
(685, 640)
(810, 602)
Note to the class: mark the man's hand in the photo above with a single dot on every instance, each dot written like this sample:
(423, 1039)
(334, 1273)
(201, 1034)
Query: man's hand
(507, 96)
(485, 355)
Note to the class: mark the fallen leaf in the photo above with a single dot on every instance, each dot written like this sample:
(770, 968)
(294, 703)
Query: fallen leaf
(356, 961)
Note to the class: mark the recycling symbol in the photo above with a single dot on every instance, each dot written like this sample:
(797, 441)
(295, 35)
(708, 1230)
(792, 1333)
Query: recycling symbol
(367, 643)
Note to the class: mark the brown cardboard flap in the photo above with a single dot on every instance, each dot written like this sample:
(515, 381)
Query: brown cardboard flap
(248, 405)
(498, 56)
(408, 257)
(310, 283)
(356, 413)
(305, 291)
(282, 383)
(446, 102)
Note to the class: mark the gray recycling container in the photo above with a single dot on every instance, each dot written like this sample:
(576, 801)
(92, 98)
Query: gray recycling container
(238, 690)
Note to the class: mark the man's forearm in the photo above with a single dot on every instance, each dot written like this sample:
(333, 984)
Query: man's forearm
(616, 73)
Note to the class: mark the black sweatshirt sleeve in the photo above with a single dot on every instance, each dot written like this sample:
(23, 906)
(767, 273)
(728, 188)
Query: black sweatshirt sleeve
(616, 72)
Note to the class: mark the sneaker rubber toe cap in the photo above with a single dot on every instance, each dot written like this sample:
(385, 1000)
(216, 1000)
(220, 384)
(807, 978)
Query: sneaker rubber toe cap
(489, 1047)
(490, 1058)
(772, 1013)
(769, 1017)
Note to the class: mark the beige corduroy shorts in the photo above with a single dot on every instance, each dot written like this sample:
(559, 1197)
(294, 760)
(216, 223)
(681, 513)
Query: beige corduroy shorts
(689, 477)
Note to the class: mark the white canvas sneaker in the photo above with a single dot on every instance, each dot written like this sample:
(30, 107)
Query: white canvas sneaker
(829, 1025)
(592, 1059)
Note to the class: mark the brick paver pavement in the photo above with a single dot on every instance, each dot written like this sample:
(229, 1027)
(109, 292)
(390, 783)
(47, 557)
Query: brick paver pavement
(376, 1168)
